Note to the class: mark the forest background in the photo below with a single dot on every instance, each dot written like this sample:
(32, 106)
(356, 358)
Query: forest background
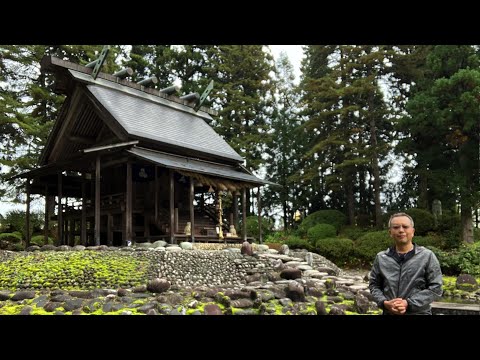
(367, 129)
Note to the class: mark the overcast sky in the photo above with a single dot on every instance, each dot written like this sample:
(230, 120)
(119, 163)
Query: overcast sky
(295, 54)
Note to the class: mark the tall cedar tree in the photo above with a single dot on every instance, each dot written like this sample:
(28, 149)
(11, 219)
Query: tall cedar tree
(284, 148)
(452, 106)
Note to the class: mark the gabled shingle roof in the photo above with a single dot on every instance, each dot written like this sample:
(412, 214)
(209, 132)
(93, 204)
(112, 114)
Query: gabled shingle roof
(151, 117)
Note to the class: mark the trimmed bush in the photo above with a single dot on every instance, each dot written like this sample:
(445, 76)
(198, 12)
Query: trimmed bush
(321, 231)
(279, 237)
(332, 217)
(40, 240)
(338, 250)
(13, 238)
(352, 232)
(424, 221)
(430, 240)
(294, 242)
(368, 245)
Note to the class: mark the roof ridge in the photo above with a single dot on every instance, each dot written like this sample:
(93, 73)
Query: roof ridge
(50, 63)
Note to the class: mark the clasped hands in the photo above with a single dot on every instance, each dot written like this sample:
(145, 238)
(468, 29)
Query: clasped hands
(397, 306)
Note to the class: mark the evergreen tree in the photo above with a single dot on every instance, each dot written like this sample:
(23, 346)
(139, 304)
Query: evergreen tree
(284, 147)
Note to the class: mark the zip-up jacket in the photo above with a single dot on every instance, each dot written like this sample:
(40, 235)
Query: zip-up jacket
(417, 279)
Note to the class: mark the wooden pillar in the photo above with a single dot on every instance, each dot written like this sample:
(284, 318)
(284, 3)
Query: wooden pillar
(172, 207)
(259, 216)
(109, 229)
(27, 215)
(156, 194)
(66, 234)
(71, 240)
(97, 201)
(128, 207)
(235, 210)
(60, 211)
(244, 214)
(83, 221)
(192, 209)
(45, 227)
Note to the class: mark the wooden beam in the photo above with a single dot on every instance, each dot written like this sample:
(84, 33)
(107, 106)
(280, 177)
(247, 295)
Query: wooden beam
(111, 146)
(156, 194)
(97, 201)
(83, 221)
(47, 216)
(129, 209)
(172, 207)
(192, 210)
(67, 125)
(82, 139)
(109, 229)
(244, 214)
(60, 210)
(235, 210)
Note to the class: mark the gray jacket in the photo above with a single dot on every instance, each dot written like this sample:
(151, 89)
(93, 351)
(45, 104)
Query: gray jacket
(417, 280)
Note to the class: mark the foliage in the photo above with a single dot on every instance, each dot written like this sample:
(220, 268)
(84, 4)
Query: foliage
(294, 242)
(252, 226)
(14, 237)
(465, 260)
(321, 231)
(61, 269)
(284, 148)
(332, 217)
(432, 239)
(423, 220)
(15, 221)
(338, 250)
(352, 232)
(367, 246)
(39, 240)
(279, 237)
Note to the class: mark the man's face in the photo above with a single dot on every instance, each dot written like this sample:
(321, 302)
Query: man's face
(401, 230)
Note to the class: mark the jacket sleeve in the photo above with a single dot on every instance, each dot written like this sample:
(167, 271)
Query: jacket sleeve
(376, 284)
(433, 289)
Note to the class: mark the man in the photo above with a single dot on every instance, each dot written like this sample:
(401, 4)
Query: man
(406, 278)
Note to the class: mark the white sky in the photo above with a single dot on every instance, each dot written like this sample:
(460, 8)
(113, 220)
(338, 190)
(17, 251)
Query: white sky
(294, 53)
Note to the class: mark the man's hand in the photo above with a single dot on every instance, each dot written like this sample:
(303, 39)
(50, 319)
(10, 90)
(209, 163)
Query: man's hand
(397, 306)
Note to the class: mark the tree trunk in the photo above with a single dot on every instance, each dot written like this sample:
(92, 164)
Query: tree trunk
(467, 224)
(376, 173)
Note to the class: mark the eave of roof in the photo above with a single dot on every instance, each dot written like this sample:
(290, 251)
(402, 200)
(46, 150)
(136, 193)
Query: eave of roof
(177, 162)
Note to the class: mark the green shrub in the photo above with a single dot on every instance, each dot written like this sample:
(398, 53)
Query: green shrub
(469, 259)
(321, 231)
(252, 226)
(13, 238)
(449, 221)
(448, 261)
(452, 239)
(352, 232)
(424, 221)
(432, 239)
(332, 217)
(15, 221)
(279, 237)
(11, 241)
(294, 242)
(40, 240)
(368, 245)
(338, 250)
